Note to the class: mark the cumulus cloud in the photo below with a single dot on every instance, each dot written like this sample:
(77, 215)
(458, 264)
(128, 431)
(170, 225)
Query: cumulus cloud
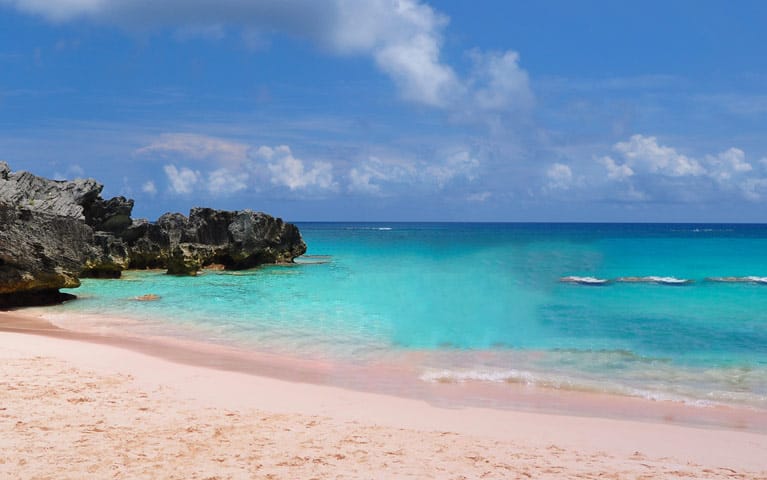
(727, 164)
(223, 181)
(291, 172)
(182, 181)
(403, 38)
(234, 166)
(645, 154)
(649, 170)
(415, 67)
(615, 171)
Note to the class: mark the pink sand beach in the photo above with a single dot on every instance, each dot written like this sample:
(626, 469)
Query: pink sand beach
(76, 405)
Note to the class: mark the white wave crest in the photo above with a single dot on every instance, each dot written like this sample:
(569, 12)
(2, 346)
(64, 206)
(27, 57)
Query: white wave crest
(655, 279)
(584, 280)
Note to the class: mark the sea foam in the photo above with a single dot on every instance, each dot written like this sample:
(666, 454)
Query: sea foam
(584, 280)
(655, 279)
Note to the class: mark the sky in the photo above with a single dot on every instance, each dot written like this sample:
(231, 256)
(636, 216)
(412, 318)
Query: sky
(396, 110)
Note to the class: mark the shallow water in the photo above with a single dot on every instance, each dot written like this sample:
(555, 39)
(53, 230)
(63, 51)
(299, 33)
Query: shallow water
(485, 303)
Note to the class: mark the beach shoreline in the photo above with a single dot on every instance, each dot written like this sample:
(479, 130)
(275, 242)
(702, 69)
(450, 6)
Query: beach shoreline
(394, 379)
(623, 444)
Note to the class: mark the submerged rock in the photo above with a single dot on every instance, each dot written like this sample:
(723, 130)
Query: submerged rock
(149, 297)
(55, 232)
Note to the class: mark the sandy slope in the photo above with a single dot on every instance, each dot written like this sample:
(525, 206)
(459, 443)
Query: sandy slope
(71, 409)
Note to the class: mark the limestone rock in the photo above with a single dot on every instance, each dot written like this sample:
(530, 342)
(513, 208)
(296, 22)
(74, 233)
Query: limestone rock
(237, 240)
(39, 253)
(54, 232)
(25, 190)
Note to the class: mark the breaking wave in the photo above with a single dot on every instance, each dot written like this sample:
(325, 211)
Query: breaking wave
(661, 280)
(654, 279)
(584, 280)
(749, 279)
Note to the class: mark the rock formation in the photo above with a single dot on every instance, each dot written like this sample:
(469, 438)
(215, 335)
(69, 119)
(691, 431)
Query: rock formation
(54, 232)
(236, 240)
(39, 253)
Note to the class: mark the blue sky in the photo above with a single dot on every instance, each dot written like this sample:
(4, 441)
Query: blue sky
(395, 110)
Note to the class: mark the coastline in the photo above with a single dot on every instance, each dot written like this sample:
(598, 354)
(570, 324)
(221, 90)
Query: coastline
(207, 381)
(398, 379)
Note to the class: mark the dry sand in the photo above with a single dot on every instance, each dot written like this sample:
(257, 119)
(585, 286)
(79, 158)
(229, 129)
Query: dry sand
(73, 409)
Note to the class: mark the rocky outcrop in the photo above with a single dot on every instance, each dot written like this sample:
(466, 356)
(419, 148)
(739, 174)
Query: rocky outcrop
(236, 240)
(25, 190)
(54, 232)
(39, 253)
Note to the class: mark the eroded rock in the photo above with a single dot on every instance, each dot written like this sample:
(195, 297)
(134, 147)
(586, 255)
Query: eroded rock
(54, 232)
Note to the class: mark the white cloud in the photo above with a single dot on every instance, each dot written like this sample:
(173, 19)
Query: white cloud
(727, 164)
(644, 154)
(653, 171)
(403, 38)
(370, 176)
(237, 166)
(198, 147)
(149, 188)
(414, 65)
(560, 176)
(498, 83)
(458, 164)
(182, 181)
(615, 171)
(289, 171)
(223, 181)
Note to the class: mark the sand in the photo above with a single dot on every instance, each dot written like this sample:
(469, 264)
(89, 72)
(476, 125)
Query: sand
(75, 409)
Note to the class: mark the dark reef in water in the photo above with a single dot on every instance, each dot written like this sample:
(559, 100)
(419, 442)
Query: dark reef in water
(52, 233)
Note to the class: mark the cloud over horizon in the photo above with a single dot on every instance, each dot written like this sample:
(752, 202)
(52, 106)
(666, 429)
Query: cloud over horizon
(233, 166)
(389, 108)
(642, 169)
(223, 167)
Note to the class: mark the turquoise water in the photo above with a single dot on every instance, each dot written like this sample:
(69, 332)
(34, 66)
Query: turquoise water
(484, 303)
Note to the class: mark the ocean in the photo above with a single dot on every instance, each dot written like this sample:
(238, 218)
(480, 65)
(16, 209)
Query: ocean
(487, 304)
